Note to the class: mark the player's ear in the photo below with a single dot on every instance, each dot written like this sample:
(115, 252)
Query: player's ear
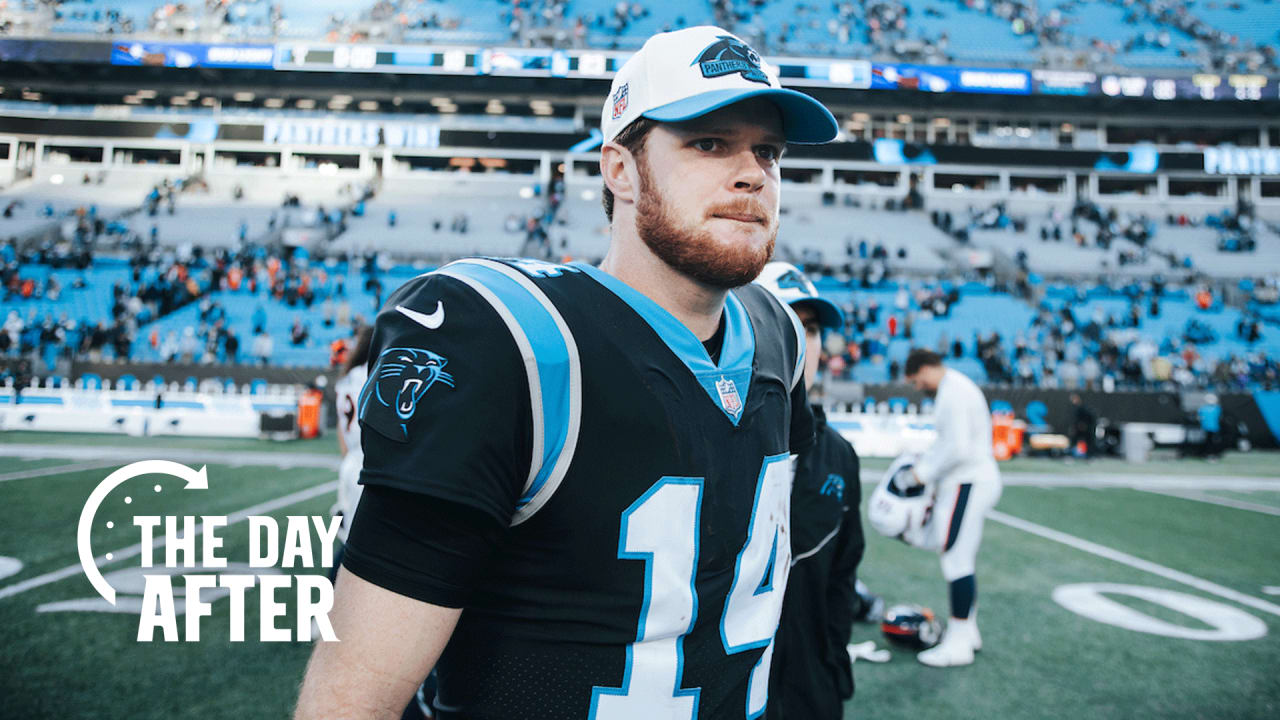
(619, 171)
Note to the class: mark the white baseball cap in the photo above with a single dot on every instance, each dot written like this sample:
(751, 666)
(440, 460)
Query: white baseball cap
(688, 73)
(789, 285)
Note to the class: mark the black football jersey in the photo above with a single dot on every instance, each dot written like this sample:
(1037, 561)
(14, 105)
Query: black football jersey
(646, 487)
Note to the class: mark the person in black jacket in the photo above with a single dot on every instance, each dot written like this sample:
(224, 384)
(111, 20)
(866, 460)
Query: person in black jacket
(812, 674)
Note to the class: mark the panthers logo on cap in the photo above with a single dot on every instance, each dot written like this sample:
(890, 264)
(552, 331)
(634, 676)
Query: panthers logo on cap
(402, 376)
(728, 55)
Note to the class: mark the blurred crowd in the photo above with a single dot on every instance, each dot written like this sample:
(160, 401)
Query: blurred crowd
(1061, 349)
(163, 281)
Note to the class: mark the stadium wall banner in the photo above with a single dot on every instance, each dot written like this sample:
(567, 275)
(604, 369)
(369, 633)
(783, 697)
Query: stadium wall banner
(184, 55)
(545, 62)
(1268, 403)
(1259, 412)
(353, 133)
(1242, 161)
(239, 374)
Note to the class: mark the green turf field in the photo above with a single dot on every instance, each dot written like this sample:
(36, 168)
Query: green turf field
(1040, 660)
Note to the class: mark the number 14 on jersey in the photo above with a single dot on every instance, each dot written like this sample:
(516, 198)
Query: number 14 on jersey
(661, 528)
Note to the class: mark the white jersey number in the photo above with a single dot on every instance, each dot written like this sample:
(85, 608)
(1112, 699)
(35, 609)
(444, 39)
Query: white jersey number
(661, 528)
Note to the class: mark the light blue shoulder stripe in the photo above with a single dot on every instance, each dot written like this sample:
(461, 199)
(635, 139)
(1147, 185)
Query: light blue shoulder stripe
(554, 369)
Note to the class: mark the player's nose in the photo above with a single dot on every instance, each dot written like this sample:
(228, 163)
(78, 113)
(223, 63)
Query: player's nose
(748, 175)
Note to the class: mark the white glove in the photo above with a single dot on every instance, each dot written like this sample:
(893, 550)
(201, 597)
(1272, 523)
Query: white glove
(867, 651)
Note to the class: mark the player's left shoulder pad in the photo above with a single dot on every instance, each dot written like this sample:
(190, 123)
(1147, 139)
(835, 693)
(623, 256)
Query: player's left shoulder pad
(429, 329)
(776, 323)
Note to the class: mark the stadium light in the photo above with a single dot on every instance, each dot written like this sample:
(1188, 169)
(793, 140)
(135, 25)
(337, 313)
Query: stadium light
(274, 103)
(243, 97)
(146, 94)
(368, 105)
(306, 104)
(179, 100)
(132, 100)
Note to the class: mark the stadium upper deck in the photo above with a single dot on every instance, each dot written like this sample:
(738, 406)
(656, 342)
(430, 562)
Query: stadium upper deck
(1209, 35)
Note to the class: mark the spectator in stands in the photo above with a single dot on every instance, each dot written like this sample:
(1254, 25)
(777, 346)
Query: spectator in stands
(259, 319)
(231, 346)
(1210, 417)
(262, 348)
(187, 345)
(300, 331)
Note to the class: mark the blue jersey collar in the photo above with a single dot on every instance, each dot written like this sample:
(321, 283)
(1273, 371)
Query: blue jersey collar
(728, 382)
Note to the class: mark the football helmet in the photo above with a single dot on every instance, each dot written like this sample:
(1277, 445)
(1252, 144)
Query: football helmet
(911, 626)
(900, 507)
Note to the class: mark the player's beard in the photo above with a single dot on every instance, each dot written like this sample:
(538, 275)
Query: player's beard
(695, 252)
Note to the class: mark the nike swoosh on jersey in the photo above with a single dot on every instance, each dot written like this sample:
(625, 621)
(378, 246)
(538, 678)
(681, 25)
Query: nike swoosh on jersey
(430, 322)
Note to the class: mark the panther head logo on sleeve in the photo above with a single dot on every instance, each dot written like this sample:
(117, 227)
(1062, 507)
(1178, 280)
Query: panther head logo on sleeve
(401, 378)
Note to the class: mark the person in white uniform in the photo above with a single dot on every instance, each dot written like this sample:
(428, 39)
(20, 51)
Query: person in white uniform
(348, 389)
(961, 468)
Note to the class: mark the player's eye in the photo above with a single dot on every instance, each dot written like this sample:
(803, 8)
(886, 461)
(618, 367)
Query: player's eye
(769, 153)
(707, 144)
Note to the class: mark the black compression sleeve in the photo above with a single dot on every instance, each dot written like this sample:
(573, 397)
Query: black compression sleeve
(419, 546)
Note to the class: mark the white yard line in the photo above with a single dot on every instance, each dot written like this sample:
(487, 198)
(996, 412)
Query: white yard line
(1134, 562)
(55, 470)
(1144, 482)
(158, 539)
(1215, 500)
(1134, 481)
(125, 455)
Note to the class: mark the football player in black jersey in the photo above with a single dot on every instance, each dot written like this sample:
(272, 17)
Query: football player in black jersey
(577, 479)
(812, 675)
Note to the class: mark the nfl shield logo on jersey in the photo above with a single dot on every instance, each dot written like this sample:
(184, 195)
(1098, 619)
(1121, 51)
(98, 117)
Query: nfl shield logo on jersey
(729, 399)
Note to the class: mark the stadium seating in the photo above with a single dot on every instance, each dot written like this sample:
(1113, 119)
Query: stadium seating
(88, 304)
(1256, 21)
(1129, 34)
(426, 211)
(107, 194)
(214, 218)
(831, 231)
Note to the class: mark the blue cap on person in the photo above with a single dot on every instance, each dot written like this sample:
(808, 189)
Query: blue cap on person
(789, 285)
(688, 73)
